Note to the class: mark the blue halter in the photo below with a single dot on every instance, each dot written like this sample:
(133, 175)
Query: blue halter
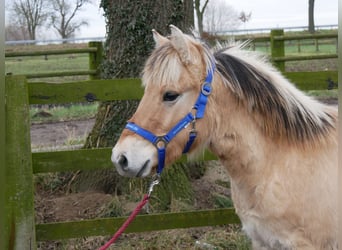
(160, 142)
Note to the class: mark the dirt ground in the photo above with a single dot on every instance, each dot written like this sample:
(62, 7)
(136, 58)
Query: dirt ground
(57, 133)
(55, 206)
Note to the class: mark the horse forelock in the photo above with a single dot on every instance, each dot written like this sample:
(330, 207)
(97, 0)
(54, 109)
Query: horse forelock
(164, 66)
(280, 109)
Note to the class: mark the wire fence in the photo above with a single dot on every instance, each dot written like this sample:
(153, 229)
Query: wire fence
(224, 32)
(267, 30)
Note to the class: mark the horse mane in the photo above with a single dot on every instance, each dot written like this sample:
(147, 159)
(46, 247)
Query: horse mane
(282, 111)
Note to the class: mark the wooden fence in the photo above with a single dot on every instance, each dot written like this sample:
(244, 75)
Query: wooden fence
(276, 40)
(94, 49)
(21, 164)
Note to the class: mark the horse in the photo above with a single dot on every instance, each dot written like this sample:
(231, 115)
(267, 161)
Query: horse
(278, 145)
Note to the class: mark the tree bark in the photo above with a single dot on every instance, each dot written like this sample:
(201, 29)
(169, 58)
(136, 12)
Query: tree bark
(129, 42)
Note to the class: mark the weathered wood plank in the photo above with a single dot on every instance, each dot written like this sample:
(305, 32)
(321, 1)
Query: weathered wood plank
(82, 159)
(50, 52)
(305, 36)
(301, 58)
(95, 59)
(312, 80)
(3, 212)
(61, 73)
(142, 223)
(85, 91)
(120, 89)
(18, 184)
(278, 48)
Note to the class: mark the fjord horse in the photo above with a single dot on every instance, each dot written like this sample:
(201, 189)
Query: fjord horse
(278, 145)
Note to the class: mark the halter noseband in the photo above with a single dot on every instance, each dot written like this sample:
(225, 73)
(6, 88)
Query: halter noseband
(160, 142)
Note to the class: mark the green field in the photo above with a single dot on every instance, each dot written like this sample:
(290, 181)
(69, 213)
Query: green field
(54, 63)
(46, 64)
(75, 62)
(304, 47)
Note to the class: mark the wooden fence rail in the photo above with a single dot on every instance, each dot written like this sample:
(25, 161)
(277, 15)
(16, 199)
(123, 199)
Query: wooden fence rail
(95, 51)
(21, 164)
(276, 39)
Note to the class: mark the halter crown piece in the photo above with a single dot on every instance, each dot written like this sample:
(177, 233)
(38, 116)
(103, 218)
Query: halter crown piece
(160, 142)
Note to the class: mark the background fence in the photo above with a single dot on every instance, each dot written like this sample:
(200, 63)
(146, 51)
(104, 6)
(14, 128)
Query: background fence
(22, 164)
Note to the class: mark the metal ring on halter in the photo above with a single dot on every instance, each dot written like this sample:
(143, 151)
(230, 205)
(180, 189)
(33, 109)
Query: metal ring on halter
(160, 139)
(206, 88)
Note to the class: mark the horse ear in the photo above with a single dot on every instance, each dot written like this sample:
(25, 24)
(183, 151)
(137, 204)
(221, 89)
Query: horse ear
(178, 41)
(158, 39)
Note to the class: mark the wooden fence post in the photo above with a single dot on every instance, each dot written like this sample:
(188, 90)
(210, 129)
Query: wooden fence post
(95, 59)
(19, 204)
(277, 48)
(3, 234)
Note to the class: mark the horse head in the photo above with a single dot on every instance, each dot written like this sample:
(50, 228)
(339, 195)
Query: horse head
(173, 79)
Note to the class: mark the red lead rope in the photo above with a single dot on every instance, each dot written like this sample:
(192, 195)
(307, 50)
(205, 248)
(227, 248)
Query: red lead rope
(155, 181)
(127, 222)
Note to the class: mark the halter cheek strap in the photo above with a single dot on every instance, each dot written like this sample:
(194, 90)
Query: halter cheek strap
(160, 142)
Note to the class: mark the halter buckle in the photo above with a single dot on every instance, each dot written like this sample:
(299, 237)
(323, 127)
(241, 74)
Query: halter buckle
(206, 88)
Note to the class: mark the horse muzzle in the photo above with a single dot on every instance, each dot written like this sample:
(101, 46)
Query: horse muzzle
(134, 157)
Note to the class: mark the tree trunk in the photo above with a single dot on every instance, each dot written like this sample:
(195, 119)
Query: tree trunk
(199, 14)
(129, 42)
(311, 16)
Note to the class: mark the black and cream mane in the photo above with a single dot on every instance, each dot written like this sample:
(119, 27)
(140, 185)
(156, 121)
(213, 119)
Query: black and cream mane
(282, 111)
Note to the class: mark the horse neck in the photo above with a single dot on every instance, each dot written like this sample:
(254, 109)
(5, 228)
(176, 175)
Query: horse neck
(237, 140)
(235, 137)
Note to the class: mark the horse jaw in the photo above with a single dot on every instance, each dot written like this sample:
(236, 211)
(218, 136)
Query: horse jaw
(158, 39)
(178, 41)
(134, 157)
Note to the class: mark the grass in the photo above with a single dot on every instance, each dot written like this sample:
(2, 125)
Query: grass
(321, 94)
(54, 63)
(63, 113)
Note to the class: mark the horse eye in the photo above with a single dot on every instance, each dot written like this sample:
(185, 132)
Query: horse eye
(170, 96)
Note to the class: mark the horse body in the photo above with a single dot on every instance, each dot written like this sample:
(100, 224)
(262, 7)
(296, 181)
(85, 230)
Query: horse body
(278, 145)
(284, 193)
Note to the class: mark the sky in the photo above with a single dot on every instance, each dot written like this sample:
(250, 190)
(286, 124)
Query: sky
(265, 14)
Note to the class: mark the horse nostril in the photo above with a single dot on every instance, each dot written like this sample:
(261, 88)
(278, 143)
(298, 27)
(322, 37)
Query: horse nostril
(123, 162)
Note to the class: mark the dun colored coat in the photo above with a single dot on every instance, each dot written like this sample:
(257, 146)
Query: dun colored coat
(278, 145)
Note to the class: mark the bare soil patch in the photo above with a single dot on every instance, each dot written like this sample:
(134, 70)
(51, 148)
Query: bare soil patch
(54, 134)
